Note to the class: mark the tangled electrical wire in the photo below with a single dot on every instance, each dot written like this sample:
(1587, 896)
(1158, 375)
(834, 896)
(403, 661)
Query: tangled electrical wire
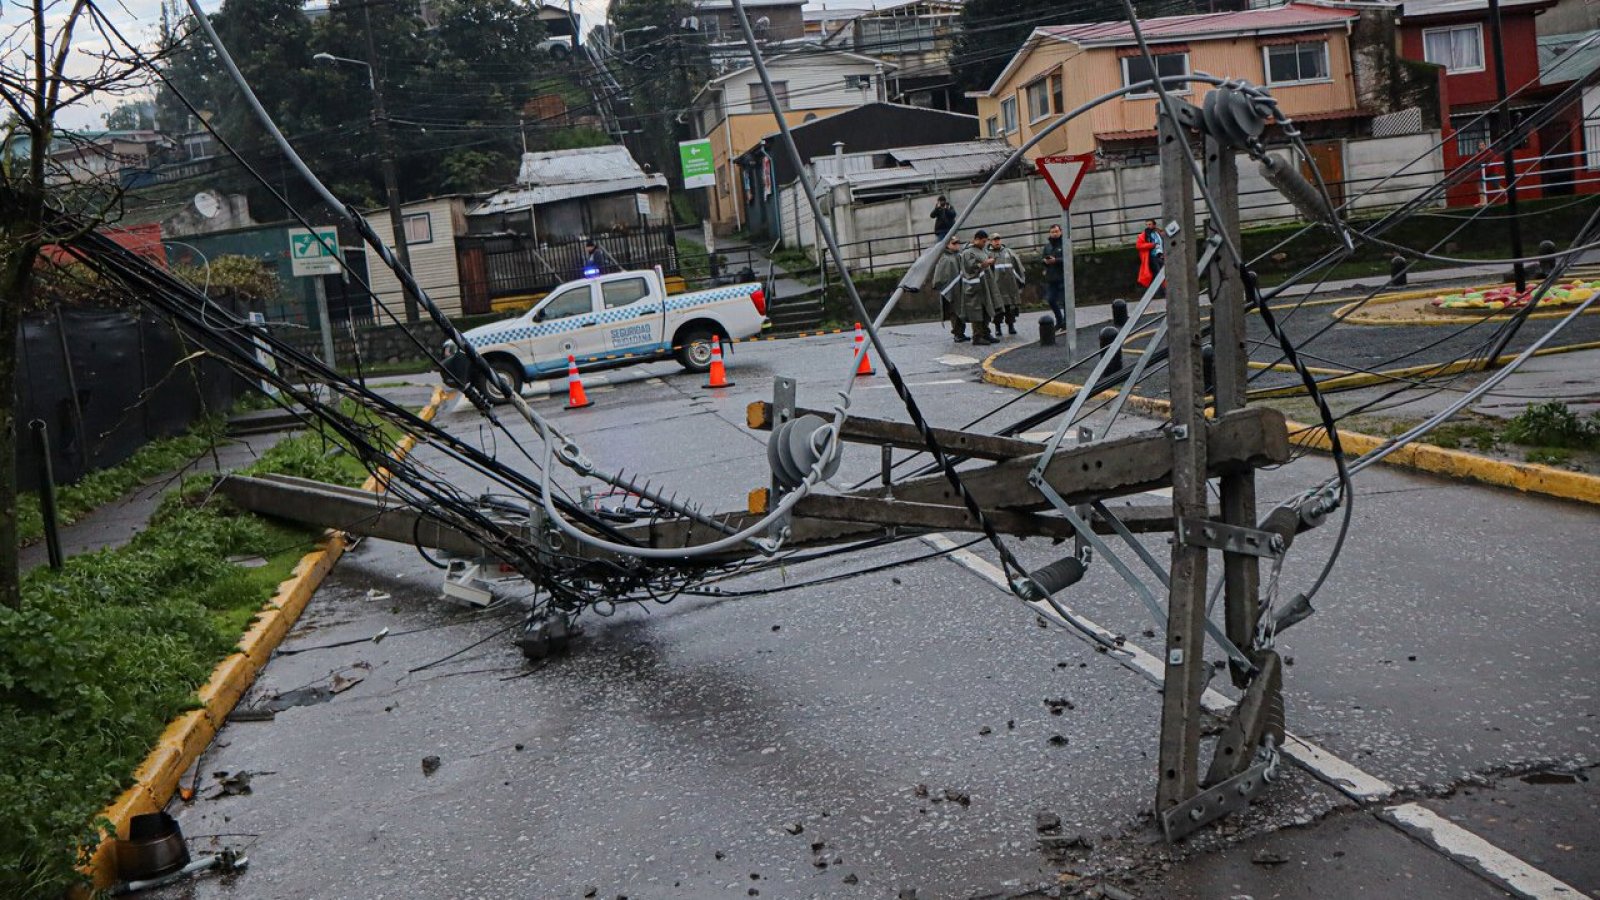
(589, 555)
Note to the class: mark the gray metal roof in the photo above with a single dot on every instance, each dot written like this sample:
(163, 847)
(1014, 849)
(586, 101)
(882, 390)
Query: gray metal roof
(552, 175)
(1568, 57)
(913, 165)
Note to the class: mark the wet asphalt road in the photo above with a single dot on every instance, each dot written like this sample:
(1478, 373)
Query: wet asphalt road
(707, 748)
(1358, 348)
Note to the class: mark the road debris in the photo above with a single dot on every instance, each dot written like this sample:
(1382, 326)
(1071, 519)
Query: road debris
(430, 765)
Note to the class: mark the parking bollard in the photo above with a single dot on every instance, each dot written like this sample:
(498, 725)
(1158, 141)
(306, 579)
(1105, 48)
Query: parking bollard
(1107, 335)
(1047, 331)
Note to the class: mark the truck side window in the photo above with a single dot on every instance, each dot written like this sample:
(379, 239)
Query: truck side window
(573, 301)
(623, 292)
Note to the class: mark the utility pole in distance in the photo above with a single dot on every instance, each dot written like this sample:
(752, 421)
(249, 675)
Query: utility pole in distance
(391, 185)
(1503, 123)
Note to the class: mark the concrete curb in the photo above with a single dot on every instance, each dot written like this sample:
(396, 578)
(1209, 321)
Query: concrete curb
(186, 737)
(1367, 379)
(1530, 478)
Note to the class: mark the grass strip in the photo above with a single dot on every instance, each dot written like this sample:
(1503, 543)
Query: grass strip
(106, 651)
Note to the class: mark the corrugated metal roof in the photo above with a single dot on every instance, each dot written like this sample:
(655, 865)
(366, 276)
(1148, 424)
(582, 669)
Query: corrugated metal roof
(1172, 28)
(911, 165)
(1571, 56)
(552, 175)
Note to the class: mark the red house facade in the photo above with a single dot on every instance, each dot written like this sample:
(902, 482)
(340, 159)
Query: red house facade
(1456, 35)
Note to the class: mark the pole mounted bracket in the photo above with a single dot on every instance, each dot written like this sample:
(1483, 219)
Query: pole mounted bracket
(1215, 802)
(1229, 538)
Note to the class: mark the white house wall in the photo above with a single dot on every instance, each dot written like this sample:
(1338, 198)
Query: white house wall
(815, 82)
(433, 263)
(1109, 208)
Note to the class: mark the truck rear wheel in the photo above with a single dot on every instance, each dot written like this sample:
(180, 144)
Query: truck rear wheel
(694, 350)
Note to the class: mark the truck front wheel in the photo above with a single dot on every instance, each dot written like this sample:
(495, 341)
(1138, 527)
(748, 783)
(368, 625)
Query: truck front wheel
(694, 350)
(504, 371)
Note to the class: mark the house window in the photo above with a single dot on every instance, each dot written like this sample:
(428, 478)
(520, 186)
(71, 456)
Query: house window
(419, 228)
(1472, 137)
(624, 292)
(758, 96)
(1008, 115)
(1038, 95)
(1136, 69)
(1296, 63)
(892, 35)
(1055, 95)
(1458, 48)
(992, 126)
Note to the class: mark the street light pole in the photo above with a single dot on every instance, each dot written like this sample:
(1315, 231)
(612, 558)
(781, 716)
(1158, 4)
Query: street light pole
(391, 185)
(1503, 120)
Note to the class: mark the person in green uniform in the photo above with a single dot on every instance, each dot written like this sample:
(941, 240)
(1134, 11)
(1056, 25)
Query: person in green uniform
(1009, 278)
(976, 286)
(947, 282)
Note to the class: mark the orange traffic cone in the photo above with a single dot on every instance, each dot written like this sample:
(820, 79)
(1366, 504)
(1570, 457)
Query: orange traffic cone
(719, 373)
(576, 398)
(865, 366)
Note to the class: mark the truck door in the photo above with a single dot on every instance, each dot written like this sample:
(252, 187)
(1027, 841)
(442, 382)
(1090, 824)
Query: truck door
(564, 323)
(630, 316)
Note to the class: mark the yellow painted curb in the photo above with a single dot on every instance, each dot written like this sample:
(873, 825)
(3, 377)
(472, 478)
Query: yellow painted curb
(1530, 478)
(186, 737)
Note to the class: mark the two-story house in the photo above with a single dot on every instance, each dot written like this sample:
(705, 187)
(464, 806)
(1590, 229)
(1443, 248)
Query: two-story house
(1300, 51)
(773, 21)
(733, 112)
(917, 36)
(1457, 35)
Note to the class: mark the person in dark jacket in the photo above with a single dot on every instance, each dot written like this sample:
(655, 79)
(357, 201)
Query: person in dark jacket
(598, 261)
(943, 216)
(1054, 277)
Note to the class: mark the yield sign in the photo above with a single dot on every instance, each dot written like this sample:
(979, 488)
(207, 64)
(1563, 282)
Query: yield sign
(1065, 173)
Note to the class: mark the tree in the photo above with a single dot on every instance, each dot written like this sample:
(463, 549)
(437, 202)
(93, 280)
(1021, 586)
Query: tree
(662, 68)
(136, 115)
(992, 31)
(454, 87)
(39, 78)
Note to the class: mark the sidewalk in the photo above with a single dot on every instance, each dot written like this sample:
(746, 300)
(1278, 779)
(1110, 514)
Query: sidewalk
(115, 524)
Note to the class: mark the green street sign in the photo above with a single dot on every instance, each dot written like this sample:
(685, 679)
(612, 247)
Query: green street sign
(699, 166)
(314, 253)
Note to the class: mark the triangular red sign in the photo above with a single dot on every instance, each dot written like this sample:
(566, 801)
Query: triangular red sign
(1065, 173)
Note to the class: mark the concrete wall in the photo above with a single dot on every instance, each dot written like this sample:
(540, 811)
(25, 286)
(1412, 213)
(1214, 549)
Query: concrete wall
(1109, 209)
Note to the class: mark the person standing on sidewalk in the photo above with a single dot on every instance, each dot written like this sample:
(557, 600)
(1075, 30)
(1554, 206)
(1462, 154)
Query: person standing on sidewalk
(1152, 253)
(1054, 277)
(1009, 278)
(947, 282)
(976, 300)
(944, 218)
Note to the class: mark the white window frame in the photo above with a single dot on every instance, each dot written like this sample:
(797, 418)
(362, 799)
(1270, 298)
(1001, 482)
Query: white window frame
(1040, 87)
(1126, 80)
(1266, 63)
(1475, 27)
(1008, 115)
(427, 221)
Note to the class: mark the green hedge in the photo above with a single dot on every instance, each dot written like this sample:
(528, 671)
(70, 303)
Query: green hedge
(106, 651)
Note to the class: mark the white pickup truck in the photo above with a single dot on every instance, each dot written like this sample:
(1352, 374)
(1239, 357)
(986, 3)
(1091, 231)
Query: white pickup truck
(619, 319)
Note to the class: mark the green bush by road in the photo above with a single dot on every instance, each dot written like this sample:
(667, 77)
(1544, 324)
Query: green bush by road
(106, 651)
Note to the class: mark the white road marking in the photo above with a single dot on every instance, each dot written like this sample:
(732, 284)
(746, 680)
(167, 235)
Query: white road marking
(883, 387)
(1040, 437)
(1465, 847)
(956, 359)
(1454, 841)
